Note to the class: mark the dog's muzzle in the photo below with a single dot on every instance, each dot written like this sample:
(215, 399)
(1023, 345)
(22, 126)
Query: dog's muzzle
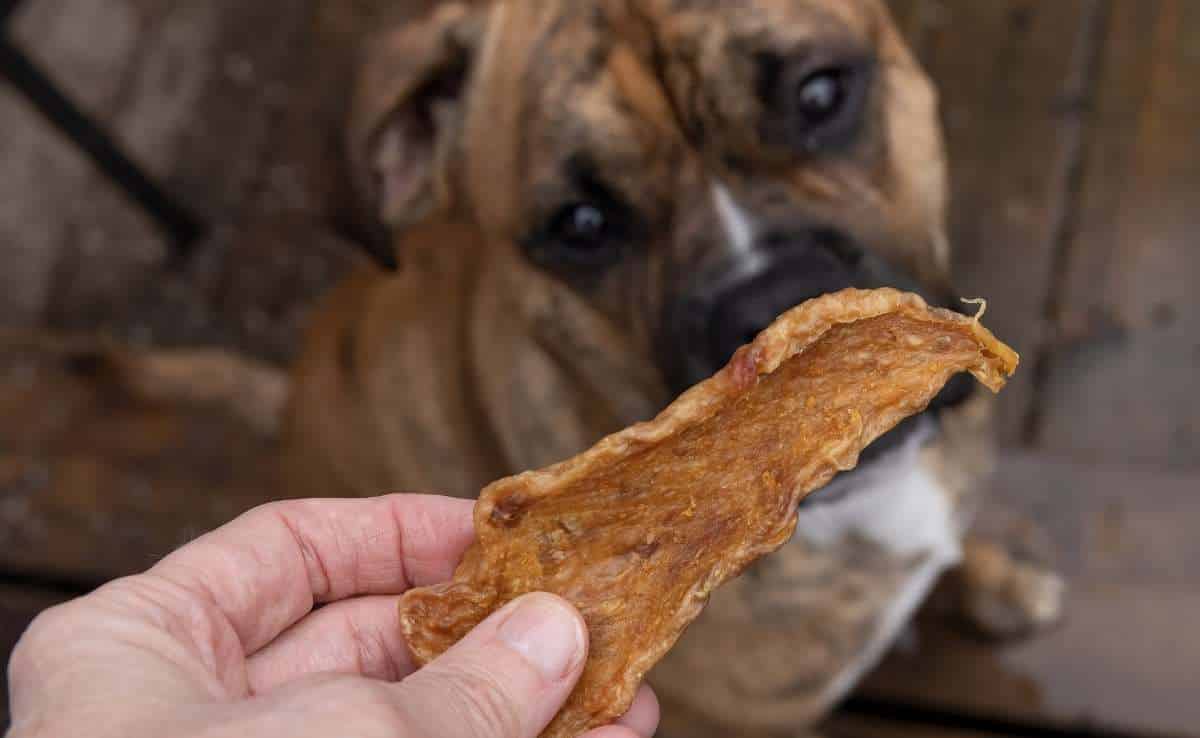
(725, 307)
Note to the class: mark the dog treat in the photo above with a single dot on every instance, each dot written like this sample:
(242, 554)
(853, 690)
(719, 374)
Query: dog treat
(639, 530)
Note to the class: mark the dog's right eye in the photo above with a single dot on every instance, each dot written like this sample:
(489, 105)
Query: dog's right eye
(820, 96)
(580, 235)
(582, 227)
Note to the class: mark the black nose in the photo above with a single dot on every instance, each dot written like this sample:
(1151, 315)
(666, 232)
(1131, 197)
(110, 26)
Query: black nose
(793, 270)
(827, 264)
(725, 309)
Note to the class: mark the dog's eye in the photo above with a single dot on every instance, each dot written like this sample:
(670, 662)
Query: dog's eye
(580, 235)
(581, 226)
(827, 106)
(813, 107)
(820, 96)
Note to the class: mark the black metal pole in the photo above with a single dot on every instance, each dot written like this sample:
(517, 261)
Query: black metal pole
(7, 8)
(181, 226)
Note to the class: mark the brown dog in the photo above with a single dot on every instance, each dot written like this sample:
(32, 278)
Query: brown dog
(595, 202)
(637, 187)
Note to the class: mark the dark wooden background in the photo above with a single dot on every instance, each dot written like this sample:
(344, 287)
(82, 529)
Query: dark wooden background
(1072, 127)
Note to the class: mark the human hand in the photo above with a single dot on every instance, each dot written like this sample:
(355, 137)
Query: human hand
(221, 639)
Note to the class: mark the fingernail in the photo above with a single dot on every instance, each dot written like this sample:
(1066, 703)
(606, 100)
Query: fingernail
(546, 634)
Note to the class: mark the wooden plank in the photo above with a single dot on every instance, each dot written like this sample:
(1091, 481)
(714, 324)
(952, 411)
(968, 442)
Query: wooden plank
(1002, 69)
(18, 607)
(25, 281)
(94, 485)
(1122, 386)
(1124, 658)
(188, 88)
(55, 209)
(195, 93)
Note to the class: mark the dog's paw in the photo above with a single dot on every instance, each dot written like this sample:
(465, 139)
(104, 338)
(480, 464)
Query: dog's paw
(1004, 597)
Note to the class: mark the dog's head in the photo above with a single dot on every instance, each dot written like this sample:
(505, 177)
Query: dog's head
(689, 169)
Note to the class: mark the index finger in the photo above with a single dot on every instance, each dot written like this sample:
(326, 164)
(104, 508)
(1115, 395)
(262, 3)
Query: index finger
(266, 570)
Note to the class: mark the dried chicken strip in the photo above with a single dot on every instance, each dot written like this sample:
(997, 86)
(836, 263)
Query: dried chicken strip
(639, 530)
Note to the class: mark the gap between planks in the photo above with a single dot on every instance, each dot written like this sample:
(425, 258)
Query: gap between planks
(1077, 106)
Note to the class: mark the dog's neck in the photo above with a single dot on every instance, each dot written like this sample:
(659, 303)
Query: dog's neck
(552, 375)
(508, 369)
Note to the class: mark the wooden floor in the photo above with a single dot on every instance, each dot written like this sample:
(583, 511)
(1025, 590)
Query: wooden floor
(1072, 127)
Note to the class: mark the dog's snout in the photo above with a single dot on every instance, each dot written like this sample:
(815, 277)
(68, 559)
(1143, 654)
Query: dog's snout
(784, 268)
(796, 267)
(816, 244)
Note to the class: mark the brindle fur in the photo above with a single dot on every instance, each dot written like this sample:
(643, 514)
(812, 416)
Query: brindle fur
(653, 99)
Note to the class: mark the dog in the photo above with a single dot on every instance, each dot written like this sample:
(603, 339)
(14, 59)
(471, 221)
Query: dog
(594, 203)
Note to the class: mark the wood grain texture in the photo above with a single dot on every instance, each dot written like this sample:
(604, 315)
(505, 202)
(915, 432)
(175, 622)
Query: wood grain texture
(1122, 385)
(1121, 348)
(54, 207)
(1123, 659)
(195, 94)
(236, 108)
(95, 485)
(189, 89)
(1002, 69)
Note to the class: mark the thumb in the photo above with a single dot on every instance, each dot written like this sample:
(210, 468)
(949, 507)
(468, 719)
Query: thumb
(506, 679)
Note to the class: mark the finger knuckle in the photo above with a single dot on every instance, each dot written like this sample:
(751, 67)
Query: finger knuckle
(270, 513)
(46, 631)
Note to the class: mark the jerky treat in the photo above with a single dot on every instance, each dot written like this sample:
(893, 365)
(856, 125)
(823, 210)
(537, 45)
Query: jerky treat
(639, 530)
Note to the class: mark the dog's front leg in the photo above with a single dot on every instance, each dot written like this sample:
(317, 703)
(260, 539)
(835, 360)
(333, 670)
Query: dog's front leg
(1004, 591)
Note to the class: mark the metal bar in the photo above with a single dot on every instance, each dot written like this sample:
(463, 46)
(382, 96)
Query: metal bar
(181, 226)
(7, 8)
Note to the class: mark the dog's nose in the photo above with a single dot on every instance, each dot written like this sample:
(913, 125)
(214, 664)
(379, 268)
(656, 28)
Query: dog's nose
(729, 306)
(794, 267)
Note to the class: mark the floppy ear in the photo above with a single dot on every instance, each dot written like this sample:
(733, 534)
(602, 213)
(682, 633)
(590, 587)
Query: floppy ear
(407, 113)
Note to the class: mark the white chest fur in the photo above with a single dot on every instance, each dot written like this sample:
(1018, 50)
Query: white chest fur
(898, 505)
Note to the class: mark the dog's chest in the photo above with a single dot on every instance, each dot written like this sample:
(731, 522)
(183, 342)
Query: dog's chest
(898, 505)
(903, 513)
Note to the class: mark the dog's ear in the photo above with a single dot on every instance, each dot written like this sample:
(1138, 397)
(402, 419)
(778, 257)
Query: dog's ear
(407, 112)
